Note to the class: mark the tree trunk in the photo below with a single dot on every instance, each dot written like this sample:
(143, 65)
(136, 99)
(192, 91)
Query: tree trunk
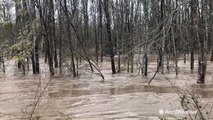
(60, 38)
(192, 60)
(70, 42)
(37, 65)
(108, 26)
(193, 33)
(145, 64)
(35, 50)
(18, 22)
(203, 47)
(184, 57)
(100, 31)
(146, 12)
(49, 55)
(52, 30)
(212, 55)
(161, 55)
(33, 62)
(96, 40)
(211, 27)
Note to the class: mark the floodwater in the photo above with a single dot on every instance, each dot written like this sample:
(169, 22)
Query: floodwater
(119, 96)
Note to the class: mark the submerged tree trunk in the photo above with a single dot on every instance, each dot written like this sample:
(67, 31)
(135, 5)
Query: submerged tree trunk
(108, 26)
(175, 52)
(184, 57)
(211, 27)
(193, 33)
(145, 64)
(202, 61)
(192, 59)
(212, 55)
(203, 47)
(46, 28)
(119, 62)
(49, 56)
(18, 23)
(52, 30)
(37, 65)
(96, 40)
(145, 58)
(161, 53)
(60, 38)
(100, 30)
(69, 37)
(2, 61)
(50, 36)
(35, 50)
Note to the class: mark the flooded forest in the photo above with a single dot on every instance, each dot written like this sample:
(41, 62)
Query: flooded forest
(106, 59)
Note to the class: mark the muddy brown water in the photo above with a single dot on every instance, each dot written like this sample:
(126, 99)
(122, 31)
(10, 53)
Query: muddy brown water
(120, 96)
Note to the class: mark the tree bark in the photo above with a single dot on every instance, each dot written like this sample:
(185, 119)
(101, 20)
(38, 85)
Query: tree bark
(193, 33)
(35, 50)
(161, 55)
(70, 42)
(203, 47)
(108, 26)
(211, 27)
(146, 12)
(101, 31)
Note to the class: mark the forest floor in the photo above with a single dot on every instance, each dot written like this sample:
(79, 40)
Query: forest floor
(120, 96)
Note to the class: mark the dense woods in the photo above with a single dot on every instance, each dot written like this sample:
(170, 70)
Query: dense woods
(126, 31)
